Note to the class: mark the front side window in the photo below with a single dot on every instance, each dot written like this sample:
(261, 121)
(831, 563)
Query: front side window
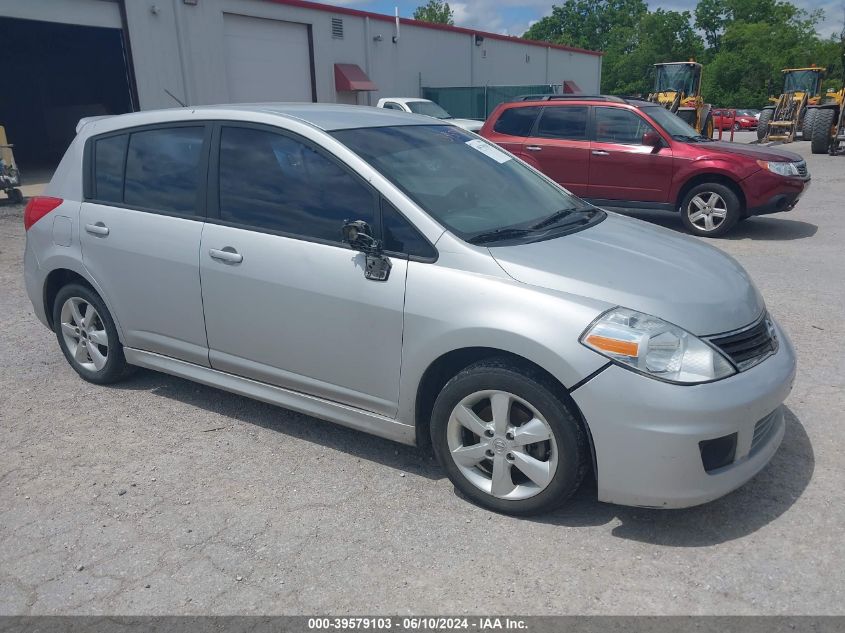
(615, 125)
(163, 169)
(275, 182)
(673, 125)
(400, 236)
(564, 122)
(517, 121)
(465, 183)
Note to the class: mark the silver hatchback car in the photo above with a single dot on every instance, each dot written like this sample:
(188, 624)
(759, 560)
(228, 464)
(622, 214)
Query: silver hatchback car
(407, 278)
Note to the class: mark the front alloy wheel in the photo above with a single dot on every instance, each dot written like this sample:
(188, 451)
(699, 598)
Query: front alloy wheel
(707, 211)
(502, 445)
(710, 210)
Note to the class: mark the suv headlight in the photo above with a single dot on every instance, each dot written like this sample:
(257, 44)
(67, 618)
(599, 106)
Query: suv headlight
(780, 168)
(655, 348)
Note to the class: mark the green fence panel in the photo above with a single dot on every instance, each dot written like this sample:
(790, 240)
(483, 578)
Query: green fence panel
(477, 102)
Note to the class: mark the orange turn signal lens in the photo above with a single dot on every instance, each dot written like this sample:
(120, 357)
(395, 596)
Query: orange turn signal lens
(614, 346)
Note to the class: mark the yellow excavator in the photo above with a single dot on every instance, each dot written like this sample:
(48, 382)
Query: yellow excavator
(787, 116)
(677, 87)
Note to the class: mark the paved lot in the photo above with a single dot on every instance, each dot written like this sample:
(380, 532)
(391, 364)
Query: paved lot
(232, 506)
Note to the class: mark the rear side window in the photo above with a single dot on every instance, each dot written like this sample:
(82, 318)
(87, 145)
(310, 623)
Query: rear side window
(400, 236)
(162, 169)
(275, 182)
(564, 122)
(109, 159)
(517, 121)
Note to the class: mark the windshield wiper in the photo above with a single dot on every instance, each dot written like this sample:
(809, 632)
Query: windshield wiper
(498, 234)
(554, 217)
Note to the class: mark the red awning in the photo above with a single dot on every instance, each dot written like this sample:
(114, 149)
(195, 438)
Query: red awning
(350, 78)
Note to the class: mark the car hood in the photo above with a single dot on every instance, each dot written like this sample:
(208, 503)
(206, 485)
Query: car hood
(757, 152)
(630, 263)
(468, 124)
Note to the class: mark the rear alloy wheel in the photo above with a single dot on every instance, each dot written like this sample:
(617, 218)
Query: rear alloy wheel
(763, 124)
(710, 210)
(506, 441)
(822, 125)
(87, 335)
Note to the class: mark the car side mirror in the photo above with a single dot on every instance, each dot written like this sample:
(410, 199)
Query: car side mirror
(359, 236)
(653, 140)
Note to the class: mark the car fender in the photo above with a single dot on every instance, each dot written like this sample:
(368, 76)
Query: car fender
(698, 169)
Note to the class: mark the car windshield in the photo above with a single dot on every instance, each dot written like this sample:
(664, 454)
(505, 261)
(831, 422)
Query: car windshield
(673, 125)
(429, 108)
(476, 190)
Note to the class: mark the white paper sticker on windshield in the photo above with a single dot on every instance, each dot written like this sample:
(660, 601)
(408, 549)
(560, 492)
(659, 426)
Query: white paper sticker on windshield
(489, 150)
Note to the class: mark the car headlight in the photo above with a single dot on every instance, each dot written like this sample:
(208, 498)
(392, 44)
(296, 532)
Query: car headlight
(780, 168)
(655, 348)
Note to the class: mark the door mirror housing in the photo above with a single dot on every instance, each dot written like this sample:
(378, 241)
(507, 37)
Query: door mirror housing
(359, 236)
(652, 139)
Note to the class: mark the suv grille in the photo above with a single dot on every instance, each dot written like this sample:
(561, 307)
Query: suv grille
(750, 346)
(802, 168)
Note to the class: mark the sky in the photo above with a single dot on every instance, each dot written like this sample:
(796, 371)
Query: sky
(513, 17)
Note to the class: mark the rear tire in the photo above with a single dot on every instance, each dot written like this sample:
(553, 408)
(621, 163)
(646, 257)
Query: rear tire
(506, 440)
(809, 122)
(820, 141)
(710, 210)
(88, 336)
(763, 124)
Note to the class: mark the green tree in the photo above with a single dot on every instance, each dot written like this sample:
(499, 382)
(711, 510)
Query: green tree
(435, 11)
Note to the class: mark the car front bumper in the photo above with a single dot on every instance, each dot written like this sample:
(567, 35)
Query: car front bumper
(646, 432)
(766, 192)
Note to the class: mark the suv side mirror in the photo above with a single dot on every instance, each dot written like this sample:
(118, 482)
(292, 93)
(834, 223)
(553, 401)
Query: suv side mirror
(652, 139)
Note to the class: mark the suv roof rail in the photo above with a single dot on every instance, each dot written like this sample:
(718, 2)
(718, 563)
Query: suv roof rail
(567, 97)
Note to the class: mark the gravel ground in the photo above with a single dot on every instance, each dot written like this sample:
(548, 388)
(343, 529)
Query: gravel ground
(160, 496)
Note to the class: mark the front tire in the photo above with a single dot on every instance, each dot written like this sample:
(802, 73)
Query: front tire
(763, 124)
(710, 210)
(821, 139)
(87, 335)
(506, 440)
(809, 122)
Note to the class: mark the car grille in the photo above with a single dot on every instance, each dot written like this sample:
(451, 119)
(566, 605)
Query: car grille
(749, 346)
(802, 168)
(763, 430)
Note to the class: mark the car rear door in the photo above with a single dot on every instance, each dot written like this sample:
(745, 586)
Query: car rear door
(512, 126)
(286, 302)
(141, 223)
(559, 146)
(621, 167)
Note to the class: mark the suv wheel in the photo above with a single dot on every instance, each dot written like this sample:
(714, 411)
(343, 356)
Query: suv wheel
(710, 210)
(87, 335)
(506, 441)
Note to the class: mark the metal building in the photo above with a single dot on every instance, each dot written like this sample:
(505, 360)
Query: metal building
(71, 58)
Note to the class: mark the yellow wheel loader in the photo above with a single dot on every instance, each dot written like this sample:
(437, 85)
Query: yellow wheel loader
(787, 116)
(677, 87)
(827, 131)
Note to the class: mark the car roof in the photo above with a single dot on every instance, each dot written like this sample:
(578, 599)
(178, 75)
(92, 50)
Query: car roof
(635, 101)
(404, 99)
(325, 116)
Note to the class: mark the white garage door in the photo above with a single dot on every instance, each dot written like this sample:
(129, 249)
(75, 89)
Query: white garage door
(266, 60)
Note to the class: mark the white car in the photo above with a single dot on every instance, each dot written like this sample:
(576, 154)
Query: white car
(428, 108)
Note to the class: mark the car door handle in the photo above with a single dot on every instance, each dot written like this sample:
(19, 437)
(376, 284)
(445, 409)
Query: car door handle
(97, 229)
(600, 152)
(228, 255)
(534, 148)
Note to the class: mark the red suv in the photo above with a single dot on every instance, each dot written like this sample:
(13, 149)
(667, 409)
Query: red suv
(629, 154)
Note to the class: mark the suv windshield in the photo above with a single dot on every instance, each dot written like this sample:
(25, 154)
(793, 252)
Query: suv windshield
(429, 108)
(672, 124)
(478, 191)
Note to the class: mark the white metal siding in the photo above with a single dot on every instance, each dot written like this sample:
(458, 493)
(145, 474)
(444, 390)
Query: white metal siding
(266, 60)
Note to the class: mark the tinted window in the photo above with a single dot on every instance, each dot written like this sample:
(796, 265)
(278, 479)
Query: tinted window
(615, 125)
(568, 122)
(275, 182)
(109, 156)
(392, 106)
(162, 169)
(517, 121)
(400, 236)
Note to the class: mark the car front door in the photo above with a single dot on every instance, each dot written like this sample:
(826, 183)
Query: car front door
(141, 223)
(286, 302)
(559, 146)
(621, 167)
